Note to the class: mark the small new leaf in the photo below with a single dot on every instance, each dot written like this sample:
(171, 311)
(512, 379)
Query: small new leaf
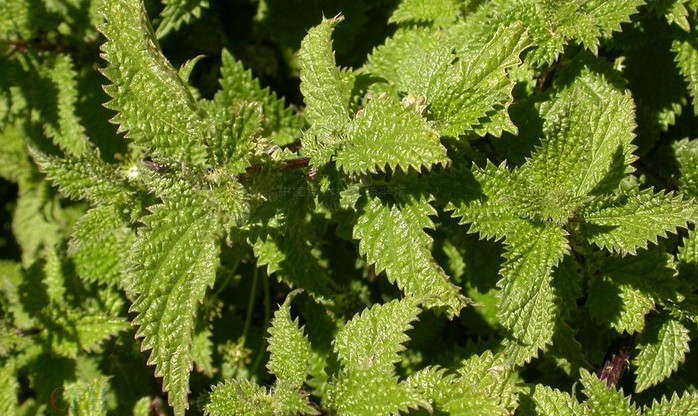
(14, 161)
(499, 208)
(619, 305)
(626, 288)
(533, 248)
(230, 148)
(289, 255)
(410, 59)
(552, 25)
(687, 157)
(9, 386)
(431, 382)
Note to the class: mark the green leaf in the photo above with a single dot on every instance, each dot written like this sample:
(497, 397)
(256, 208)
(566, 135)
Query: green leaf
(410, 59)
(142, 406)
(174, 260)
(438, 12)
(289, 255)
(15, 19)
(202, 351)
(33, 221)
(527, 307)
(373, 339)
(239, 398)
(87, 398)
(431, 382)
(534, 246)
(627, 288)
(178, 12)
(674, 11)
(99, 246)
(466, 89)
(70, 330)
(527, 301)
(9, 387)
(14, 161)
(93, 328)
(231, 148)
(364, 392)
(603, 400)
(498, 208)
(687, 157)
(687, 61)
(629, 220)
(154, 105)
(552, 25)
(405, 251)
(238, 84)
(288, 400)
(11, 281)
(388, 133)
(68, 132)
(568, 281)
(477, 85)
(324, 93)
(186, 69)
(547, 401)
(54, 279)
(687, 257)
(661, 348)
(588, 130)
(609, 16)
(289, 349)
(481, 387)
(686, 405)
(86, 177)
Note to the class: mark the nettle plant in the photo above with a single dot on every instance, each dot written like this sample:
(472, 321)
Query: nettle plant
(491, 215)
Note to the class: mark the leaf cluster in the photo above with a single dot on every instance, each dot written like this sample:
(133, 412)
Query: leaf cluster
(490, 212)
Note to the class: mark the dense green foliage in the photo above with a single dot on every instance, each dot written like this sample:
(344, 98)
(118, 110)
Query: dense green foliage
(464, 207)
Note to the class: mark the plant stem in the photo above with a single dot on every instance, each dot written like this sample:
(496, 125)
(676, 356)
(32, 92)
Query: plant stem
(267, 316)
(250, 306)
